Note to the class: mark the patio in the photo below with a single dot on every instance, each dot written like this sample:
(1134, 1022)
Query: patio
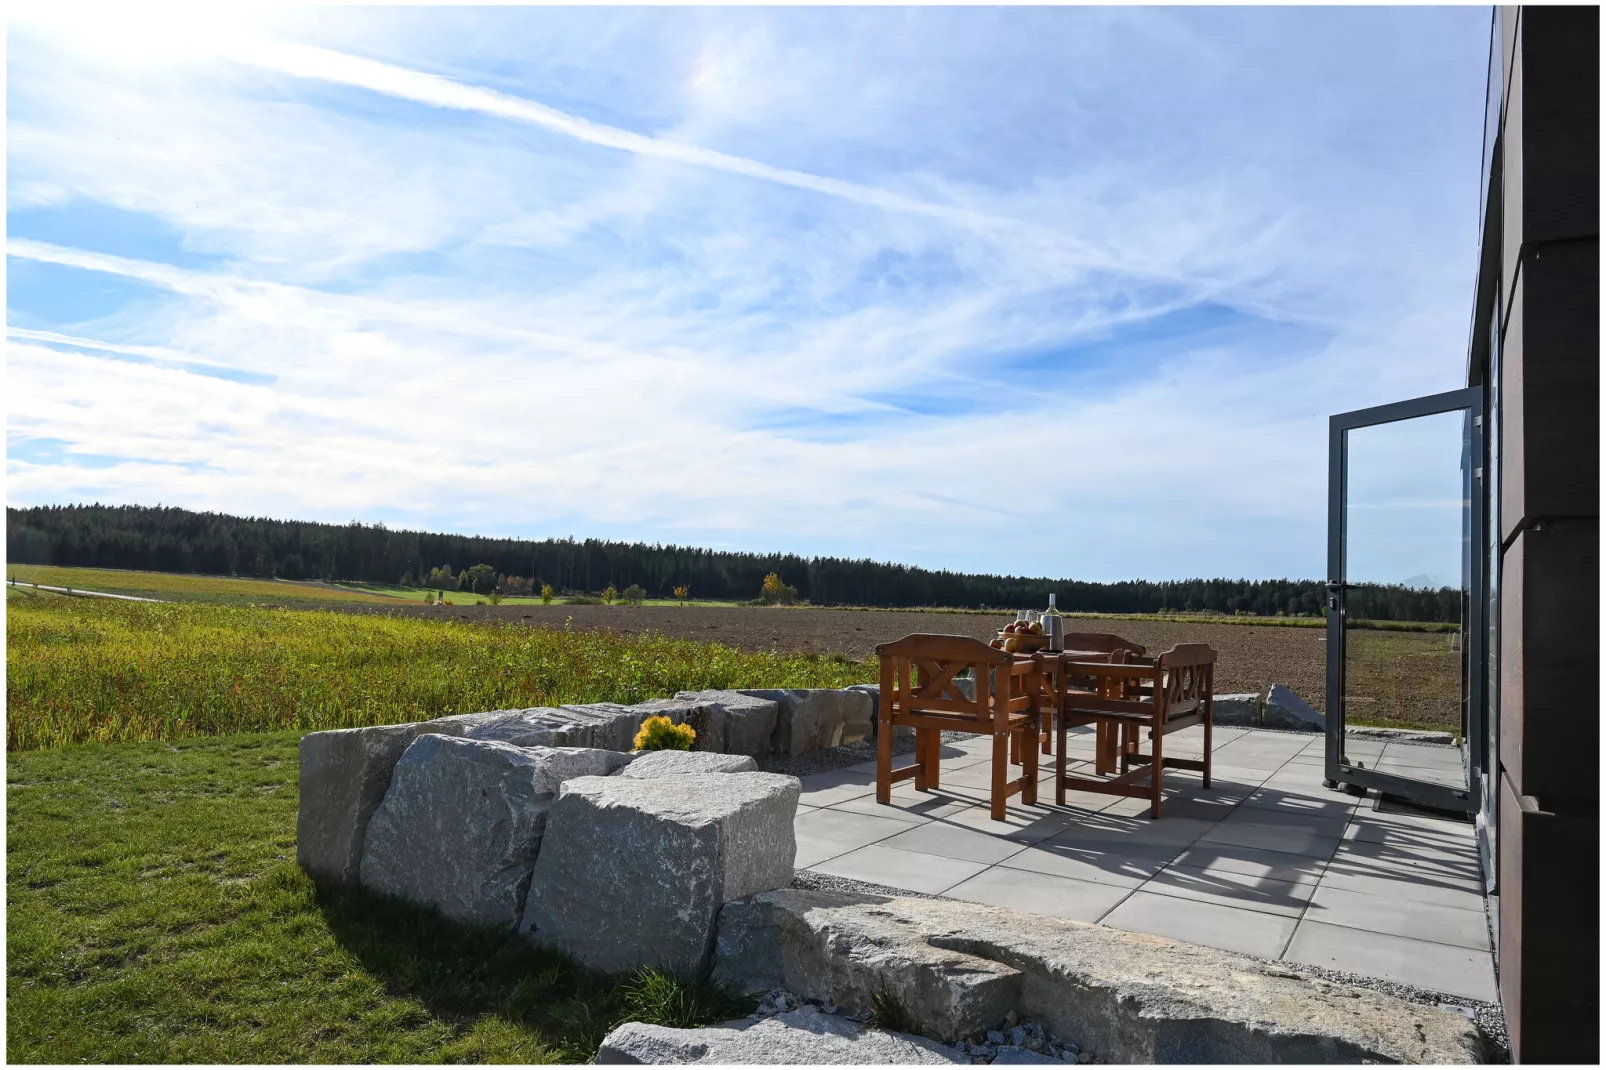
(1268, 862)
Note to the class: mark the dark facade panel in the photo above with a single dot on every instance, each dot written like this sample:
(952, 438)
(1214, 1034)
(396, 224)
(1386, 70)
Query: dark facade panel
(1560, 100)
(1549, 930)
(1550, 678)
(1550, 389)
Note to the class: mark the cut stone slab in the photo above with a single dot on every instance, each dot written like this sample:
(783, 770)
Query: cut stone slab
(603, 725)
(901, 733)
(681, 763)
(958, 968)
(461, 824)
(747, 724)
(797, 1038)
(344, 774)
(706, 719)
(811, 719)
(633, 872)
(1239, 711)
(1286, 710)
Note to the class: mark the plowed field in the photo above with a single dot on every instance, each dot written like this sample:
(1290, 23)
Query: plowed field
(1251, 657)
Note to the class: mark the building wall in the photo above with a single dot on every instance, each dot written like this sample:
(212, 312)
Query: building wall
(1549, 527)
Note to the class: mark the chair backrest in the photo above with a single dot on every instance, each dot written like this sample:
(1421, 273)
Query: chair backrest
(1189, 676)
(1100, 642)
(918, 674)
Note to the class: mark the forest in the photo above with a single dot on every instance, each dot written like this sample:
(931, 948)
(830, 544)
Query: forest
(168, 539)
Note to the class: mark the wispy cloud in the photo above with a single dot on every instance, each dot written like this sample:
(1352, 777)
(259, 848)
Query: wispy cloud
(833, 281)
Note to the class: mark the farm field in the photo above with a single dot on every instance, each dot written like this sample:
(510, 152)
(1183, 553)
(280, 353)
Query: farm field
(94, 670)
(1252, 657)
(178, 586)
(156, 914)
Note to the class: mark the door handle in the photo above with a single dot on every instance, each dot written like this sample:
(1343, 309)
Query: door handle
(1333, 589)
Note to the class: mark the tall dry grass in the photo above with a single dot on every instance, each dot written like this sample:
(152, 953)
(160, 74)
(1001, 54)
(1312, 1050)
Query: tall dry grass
(91, 670)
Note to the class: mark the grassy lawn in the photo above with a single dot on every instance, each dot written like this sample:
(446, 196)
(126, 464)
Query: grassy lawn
(94, 670)
(188, 587)
(155, 913)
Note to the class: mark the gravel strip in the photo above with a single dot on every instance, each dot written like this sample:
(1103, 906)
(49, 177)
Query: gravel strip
(810, 881)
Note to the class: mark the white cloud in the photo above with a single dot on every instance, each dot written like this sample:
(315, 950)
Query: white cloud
(496, 313)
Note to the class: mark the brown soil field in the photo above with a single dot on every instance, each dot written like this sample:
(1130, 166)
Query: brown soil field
(1252, 658)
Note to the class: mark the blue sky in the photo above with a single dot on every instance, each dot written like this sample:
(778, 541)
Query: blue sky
(1046, 290)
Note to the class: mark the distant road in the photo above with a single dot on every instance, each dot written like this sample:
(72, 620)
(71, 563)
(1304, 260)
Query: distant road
(86, 594)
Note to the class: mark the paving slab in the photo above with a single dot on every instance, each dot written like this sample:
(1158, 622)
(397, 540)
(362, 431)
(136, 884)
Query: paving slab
(1252, 862)
(1267, 838)
(913, 870)
(1395, 916)
(1248, 932)
(823, 834)
(1040, 893)
(1458, 971)
(824, 789)
(1122, 870)
(1285, 898)
(1444, 891)
(948, 840)
(907, 804)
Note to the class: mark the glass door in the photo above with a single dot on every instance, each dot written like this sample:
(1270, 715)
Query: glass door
(1405, 628)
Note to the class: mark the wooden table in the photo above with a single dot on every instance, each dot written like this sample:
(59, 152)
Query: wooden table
(1105, 744)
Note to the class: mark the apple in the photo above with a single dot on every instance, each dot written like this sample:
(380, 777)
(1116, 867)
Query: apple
(997, 644)
(1037, 629)
(1011, 644)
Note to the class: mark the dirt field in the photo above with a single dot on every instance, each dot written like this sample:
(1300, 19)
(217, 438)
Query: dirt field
(1252, 658)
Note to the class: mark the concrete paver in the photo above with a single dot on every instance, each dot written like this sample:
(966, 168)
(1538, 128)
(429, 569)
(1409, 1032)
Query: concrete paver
(1040, 893)
(1268, 861)
(1458, 971)
(917, 872)
(1248, 932)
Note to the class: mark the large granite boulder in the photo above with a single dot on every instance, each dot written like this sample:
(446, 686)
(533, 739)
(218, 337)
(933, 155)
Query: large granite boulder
(706, 719)
(748, 722)
(803, 1037)
(604, 725)
(681, 763)
(1239, 711)
(902, 734)
(958, 968)
(634, 871)
(344, 774)
(1288, 711)
(461, 824)
(811, 719)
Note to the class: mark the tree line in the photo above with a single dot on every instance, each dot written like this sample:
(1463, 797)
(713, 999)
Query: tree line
(167, 539)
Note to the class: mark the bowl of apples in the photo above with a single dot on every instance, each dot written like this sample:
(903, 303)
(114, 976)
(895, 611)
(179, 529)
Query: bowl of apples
(1023, 637)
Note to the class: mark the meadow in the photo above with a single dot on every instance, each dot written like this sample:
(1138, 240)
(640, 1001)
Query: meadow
(155, 914)
(92, 670)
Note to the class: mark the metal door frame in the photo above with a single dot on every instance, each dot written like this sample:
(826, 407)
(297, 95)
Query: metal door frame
(1340, 770)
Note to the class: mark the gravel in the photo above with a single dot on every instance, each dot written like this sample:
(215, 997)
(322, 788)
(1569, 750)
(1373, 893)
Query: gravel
(810, 881)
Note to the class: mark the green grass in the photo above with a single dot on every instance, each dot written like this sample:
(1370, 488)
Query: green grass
(155, 913)
(93, 670)
(188, 587)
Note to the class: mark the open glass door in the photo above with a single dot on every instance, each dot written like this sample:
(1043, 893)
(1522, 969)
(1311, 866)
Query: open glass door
(1405, 629)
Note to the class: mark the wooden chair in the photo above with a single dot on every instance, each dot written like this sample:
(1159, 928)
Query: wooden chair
(918, 689)
(1106, 749)
(1164, 695)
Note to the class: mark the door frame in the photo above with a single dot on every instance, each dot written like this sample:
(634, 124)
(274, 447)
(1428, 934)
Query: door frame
(1341, 771)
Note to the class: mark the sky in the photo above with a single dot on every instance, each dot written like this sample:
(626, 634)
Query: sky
(1041, 291)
